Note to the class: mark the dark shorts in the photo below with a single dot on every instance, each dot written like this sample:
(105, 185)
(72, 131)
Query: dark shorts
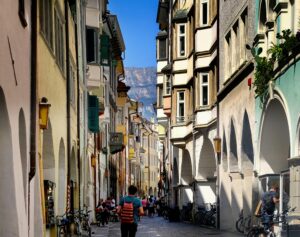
(267, 220)
(128, 230)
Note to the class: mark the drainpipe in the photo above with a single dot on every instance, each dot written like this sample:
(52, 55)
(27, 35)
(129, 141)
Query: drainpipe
(68, 92)
(78, 108)
(33, 100)
(194, 118)
(218, 116)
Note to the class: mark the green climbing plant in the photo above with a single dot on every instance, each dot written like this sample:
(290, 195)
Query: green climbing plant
(264, 66)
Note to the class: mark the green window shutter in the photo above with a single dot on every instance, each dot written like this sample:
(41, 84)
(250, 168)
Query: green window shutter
(104, 49)
(93, 113)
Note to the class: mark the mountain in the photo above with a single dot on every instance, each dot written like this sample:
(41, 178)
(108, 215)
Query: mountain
(142, 82)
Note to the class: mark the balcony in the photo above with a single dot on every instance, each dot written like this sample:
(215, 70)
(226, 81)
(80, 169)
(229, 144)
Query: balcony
(116, 142)
(205, 118)
(181, 128)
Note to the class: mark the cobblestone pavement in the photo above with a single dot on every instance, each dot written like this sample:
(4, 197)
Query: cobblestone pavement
(158, 227)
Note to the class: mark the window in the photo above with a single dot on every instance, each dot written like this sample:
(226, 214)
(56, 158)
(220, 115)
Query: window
(59, 40)
(236, 48)
(46, 13)
(180, 107)
(91, 45)
(181, 40)
(204, 89)
(22, 13)
(160, 96)
(168, 85)
(243, 35)
(162, 48)
(228, 55)
(72, 84)
(204, 15)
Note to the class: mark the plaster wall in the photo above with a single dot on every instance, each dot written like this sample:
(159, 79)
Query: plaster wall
(15, 90)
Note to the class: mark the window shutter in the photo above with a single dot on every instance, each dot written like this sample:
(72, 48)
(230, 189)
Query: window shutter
(104, 50)
(93, 113)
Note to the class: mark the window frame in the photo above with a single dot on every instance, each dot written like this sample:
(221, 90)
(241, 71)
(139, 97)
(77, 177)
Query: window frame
(96, 46)
(159, 57)
(180, 118)
(202, 85)
(46, 16)
(167, 88)
(59, 41)
(181, 35)
(202, 2)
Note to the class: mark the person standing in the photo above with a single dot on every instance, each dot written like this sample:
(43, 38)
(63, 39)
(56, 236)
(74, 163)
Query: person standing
(129, 209)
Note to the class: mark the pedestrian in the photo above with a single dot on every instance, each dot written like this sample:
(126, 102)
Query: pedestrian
(269, 200)
(151, 207)
(129, 209)
(145, 204)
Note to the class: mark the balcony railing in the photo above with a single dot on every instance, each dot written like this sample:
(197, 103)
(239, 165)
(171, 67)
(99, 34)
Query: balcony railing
(116, 142)
(183, 120)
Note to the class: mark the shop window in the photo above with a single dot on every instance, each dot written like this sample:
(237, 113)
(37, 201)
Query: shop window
(49, 203)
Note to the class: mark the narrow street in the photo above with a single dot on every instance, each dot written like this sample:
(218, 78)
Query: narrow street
(157, 226)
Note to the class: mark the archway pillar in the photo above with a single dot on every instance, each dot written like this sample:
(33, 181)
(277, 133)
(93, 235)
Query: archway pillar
(294, 165)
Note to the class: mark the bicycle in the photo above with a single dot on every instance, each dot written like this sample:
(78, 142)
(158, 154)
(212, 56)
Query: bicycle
(261, 230)
(62, 223)
(242, 224)
(85, 222)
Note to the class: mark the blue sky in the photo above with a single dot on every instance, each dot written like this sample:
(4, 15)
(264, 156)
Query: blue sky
(137, 19)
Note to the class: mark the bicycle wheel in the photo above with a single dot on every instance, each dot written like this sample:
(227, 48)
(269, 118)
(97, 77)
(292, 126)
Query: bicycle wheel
(239, 225)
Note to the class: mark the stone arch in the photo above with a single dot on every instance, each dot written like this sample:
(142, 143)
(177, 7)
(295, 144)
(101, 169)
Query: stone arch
(224, 153)
(8, 202)
(247, 158)
(262, 16)
(23, 149)
(175, 173)
(297, 141)
(48, 154)
(186, 168)
(233, 158)
(207, 162)
(274, 139)
(61, 178)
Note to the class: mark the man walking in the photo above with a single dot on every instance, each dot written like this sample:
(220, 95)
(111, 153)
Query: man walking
(129, 209)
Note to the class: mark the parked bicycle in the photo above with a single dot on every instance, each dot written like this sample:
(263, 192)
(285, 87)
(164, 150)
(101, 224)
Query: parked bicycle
(206, 215)
(243, 224)
(186, 212)
(260, 230)
(62, 223)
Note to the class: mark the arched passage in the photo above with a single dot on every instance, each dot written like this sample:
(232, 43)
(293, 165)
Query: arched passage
(23, 149)
(224, 153)
(61, 178)
(175, 173)
(9, 225)
(275, 139)
(48, 154)
(207, 162)
(73, 178)
(186, 168)
(233, 159)
(247, 146)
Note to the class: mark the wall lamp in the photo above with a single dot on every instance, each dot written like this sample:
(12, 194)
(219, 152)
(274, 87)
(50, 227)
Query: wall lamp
(217, 144)
(44, 113)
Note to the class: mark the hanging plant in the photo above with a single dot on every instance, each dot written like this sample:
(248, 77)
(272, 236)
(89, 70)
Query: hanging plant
(264, 66)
